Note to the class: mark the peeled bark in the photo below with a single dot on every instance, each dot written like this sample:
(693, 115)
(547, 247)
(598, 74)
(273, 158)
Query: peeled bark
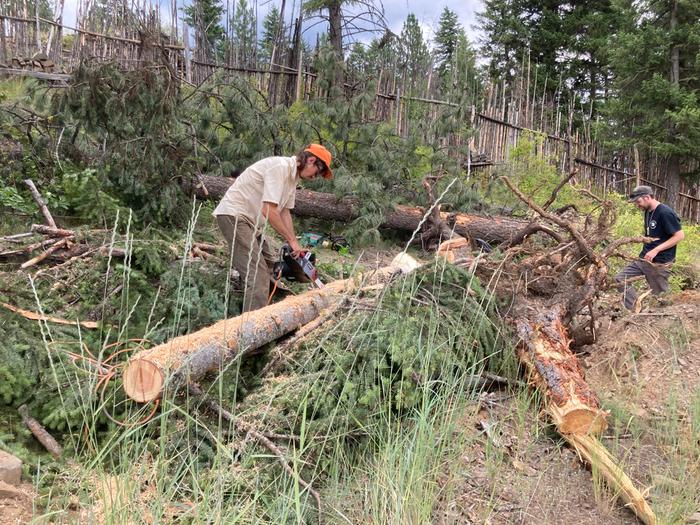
(404, 218)
(189, 357)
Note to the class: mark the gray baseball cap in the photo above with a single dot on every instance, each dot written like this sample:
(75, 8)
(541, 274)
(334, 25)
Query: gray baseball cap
(640, 191)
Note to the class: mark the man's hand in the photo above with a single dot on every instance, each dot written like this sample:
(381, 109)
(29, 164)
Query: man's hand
(297, 250)
(649, 256)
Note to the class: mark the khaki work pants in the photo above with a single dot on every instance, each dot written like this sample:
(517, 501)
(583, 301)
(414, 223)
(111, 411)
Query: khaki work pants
(655, 274)
(252, 256)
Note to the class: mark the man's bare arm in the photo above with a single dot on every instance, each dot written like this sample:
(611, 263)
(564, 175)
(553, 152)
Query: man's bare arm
(281, 221)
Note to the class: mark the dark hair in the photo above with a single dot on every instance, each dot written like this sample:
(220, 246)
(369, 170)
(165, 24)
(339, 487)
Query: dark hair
(303, 155)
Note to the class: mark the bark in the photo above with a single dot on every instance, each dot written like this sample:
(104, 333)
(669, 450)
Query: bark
(675, 48)
(189, 357)
(673, 182)
(404, 218)
(554, 369)
(46, 439)
(40, 202)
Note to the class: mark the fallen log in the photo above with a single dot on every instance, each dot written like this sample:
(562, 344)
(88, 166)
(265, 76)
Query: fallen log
(556, 372)
(188, 357)
(404, 218)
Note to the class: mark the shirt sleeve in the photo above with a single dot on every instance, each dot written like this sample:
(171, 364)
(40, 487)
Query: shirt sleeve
(273, 184)
(292, 199)
(672, 223)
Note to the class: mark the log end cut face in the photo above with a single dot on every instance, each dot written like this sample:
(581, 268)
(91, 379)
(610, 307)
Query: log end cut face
(582, 422)
(143, 380)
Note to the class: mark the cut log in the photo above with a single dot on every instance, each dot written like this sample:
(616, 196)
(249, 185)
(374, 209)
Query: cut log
(188, 357)
(404, 218)
(556, 372)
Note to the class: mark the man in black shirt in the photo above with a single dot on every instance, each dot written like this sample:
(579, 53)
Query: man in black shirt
(654, 263)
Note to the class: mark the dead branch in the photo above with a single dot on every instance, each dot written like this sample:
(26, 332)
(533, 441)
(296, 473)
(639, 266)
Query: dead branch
(36, 428)
(575, 233)
(56, 320)
(613, 246)
(16, 237)
(41, 203)
(53, 248)
(52, 231)
(530, 229)
(561, 184)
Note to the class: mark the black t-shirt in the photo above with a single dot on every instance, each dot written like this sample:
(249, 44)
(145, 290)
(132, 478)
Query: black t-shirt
(661, 224)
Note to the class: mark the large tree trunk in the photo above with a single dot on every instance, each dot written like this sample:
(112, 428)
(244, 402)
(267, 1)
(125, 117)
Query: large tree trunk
(189, 357)
(405, 218)
(554, 369)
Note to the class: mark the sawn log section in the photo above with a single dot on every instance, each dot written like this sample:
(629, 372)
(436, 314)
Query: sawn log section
(404, 218)
(189, 357)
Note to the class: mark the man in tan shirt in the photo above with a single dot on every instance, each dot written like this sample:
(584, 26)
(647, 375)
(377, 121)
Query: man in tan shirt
(264, 195)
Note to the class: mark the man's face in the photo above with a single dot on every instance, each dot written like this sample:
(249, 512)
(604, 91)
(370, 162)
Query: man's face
(643, 202)
(312, 168)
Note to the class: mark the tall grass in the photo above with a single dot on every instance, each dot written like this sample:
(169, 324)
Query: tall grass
(187, 464)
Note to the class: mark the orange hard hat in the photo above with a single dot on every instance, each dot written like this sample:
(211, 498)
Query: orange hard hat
(324, 155)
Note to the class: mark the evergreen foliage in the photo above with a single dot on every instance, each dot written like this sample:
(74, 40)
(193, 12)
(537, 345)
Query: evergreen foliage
(429, 327)
(243, 31)
(205, 17)
(270, 26)
(662, 111)
(132, 125)
(454, 57)
(414, 55)
(567, 43)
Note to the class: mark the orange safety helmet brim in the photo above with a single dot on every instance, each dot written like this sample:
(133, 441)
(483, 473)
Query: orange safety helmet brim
(324, 155)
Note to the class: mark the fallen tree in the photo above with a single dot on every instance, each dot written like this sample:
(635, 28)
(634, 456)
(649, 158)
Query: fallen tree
(402, 218)
(567, 278)
(188, 357)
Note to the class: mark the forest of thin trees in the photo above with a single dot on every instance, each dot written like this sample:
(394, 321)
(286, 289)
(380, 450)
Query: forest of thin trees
(622, 74)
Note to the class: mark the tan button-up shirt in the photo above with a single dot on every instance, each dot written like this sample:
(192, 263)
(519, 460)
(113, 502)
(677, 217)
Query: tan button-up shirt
(273, 179)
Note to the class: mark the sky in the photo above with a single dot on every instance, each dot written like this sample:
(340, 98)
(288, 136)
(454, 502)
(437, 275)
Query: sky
(395, 11)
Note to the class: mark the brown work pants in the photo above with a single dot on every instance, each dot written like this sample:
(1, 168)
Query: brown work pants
(655, 274)
(252, 256)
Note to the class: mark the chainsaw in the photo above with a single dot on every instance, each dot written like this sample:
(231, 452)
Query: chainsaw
(301, 269)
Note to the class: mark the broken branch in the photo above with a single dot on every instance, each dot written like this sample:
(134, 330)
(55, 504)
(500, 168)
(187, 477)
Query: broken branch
(41, 203)
(36, 428)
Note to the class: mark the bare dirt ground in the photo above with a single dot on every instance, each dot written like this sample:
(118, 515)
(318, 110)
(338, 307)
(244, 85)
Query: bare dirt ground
(18, 508)
(646, 370)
